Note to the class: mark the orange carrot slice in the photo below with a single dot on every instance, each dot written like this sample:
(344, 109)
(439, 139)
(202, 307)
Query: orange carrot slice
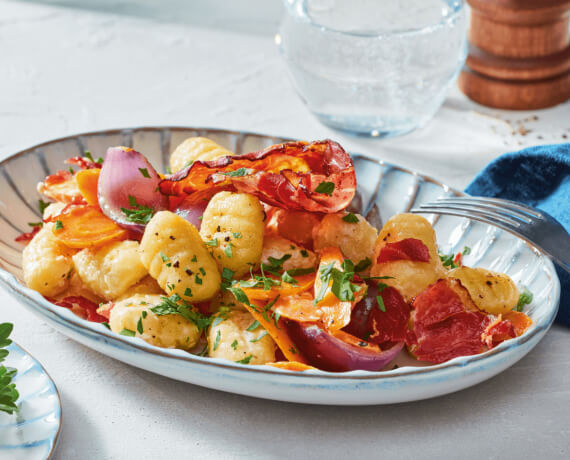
(291, 366)
(86, 226)
(87, 180)
(276, 330)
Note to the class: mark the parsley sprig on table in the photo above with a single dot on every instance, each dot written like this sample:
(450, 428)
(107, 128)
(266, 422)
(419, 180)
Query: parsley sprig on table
(8, 393)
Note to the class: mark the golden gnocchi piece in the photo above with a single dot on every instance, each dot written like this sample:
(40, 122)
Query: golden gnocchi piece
(167, 331)
(492, 292)
(409, 277)
(355, 239)
(277, 247)
(231, 339)
(47, 263)
(233, 228)
(146, 286)
(110, 270)
(174, 254)
(194, 149)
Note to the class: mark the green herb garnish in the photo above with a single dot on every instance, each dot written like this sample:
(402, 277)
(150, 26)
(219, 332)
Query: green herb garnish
(43, 205)
(58, 224)
(144, 172)
(139, 214)
(217, 341)
(259, 337)
(128, 333)
(326, 188)
(245, 360)
(237, 173)
(350, 218)
(8, 392)
(362, 265)
(524, 299)
(174, 305)
(212, 242)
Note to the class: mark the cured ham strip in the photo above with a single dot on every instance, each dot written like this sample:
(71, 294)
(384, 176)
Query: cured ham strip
(316, 177)
(407, 249)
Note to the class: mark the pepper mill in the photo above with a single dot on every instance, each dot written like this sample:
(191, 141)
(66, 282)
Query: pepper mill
(519, 54)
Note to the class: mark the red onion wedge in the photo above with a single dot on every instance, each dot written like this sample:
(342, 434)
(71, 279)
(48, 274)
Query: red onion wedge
(128, 181)
(330, 353)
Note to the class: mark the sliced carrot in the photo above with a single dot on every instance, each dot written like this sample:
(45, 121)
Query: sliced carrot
(85, 226)
(276, 331)
(87, 180)
(302, 308)
(520, 321)
(305, 282)
(291, 366)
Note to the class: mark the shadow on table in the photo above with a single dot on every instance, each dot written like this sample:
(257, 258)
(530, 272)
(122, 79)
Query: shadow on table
(246, 16)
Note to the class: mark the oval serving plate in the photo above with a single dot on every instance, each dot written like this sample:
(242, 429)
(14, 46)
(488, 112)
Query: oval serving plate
(383, 190)
(32, 433)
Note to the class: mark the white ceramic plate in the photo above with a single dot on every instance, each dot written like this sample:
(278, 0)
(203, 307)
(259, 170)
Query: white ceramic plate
(384, 190)
(32, 433)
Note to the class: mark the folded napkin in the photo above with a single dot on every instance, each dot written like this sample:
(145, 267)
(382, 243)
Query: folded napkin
(540, 177)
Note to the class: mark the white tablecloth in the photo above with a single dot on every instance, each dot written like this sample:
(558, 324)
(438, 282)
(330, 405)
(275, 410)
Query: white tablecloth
(106, 64)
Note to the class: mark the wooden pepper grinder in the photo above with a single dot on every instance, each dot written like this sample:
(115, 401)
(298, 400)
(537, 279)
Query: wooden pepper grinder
(519, 54)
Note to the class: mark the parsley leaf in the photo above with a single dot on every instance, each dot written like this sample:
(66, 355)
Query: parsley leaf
(43, 205)
(304, 253)
(245, 360)
(212, 242)
(217, 341)
(228, 251)
(350, 218)
(237, 173)
(524, 299)
(140, 326)
(362, 265)
(234, 344)
(197, 279)
(139, 214)
(466, 250)
(253, 326)
(326, 188)
(144, 172)
(237, 235)
(239, 295)
(259, 337)
(171, 306)
(448, 260)
(36, 224)
(380, 301)
(58, 224)
(128, 333)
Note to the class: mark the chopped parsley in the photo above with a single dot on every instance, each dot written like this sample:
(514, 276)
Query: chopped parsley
(139, 214)
(144, 172)
(342, 286)
(36, 224)
(127, 332)
(228, 251)
(466, 250)
(106, 324)
(164, 257)
(304, 253)
(87, 154)
(188, 292)
(379, 299)
(275, 265)
(140, 326)
(362, 265)
(217, 341)
(326, 188)
(253, 326)
(212, 242)
(172, 306)
(42, 205)
(350, 218)
(197, 279)
(234, 344)
(237, 235)
(58, 224)
(227, 276)
(259, 337)
(202, 271)
(237, 173)
(239, 295)
(245, 360)
(524, 299)
(194, 259)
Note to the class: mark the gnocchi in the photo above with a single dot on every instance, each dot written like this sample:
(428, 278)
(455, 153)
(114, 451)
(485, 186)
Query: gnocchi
(407, 276)
(167, 331)
(232, 227)
(110, 270)
(237, 339)
(194, 149)
(492, 292)
(351, 233)
(175, 256)
(276, 247)
(47, 263)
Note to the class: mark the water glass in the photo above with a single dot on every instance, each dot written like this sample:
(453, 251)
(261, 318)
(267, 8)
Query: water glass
(373, 67)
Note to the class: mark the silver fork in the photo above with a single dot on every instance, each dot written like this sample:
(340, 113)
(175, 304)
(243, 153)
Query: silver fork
(534, 226)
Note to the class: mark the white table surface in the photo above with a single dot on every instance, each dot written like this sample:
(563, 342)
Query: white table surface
(107, 64)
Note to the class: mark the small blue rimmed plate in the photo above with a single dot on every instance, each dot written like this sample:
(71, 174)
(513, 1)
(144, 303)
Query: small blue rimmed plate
(383, 190)
(32, 432)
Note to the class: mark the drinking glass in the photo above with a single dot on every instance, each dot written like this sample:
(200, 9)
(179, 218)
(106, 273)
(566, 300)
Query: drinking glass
(373, 67)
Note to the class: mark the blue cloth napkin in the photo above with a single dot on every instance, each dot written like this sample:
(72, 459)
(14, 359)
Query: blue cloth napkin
(540, 177)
